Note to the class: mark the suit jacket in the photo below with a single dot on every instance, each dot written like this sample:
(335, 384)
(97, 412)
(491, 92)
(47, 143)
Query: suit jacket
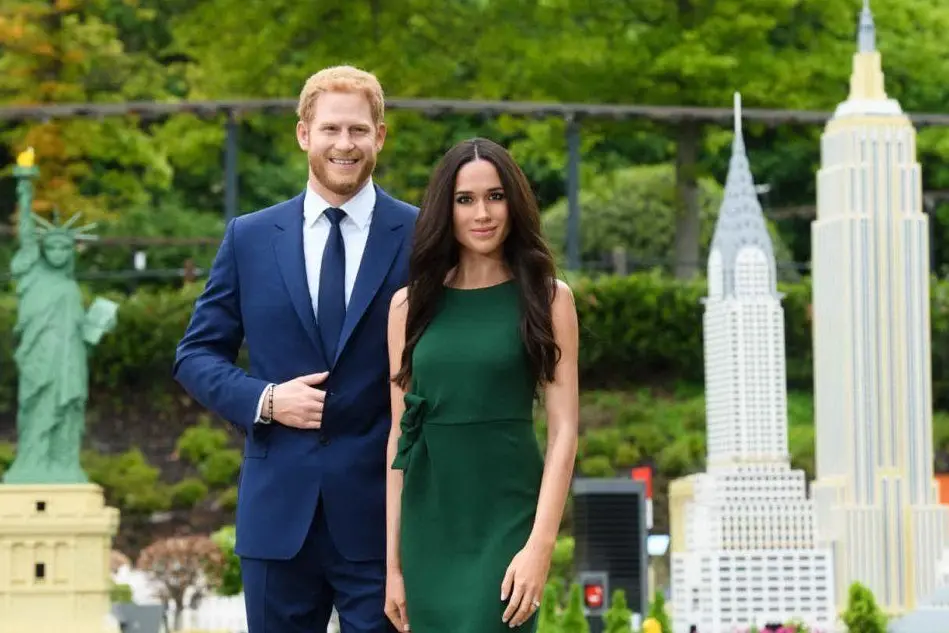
(257, 294)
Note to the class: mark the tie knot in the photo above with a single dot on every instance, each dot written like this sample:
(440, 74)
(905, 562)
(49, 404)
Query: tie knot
(335, 215)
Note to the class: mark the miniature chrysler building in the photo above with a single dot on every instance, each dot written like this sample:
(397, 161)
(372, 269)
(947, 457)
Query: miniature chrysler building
(743, 548)
(875, 494)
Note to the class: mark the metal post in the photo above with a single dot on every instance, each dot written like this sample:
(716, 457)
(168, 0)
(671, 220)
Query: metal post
(573, 193)
(230, 167)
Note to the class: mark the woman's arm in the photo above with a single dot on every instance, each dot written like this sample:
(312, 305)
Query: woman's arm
(561, 399)
(525, 578)
(396, 335)
(395, 591)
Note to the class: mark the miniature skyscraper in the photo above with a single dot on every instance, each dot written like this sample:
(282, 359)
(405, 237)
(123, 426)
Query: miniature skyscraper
(875, 495)
(743, 549)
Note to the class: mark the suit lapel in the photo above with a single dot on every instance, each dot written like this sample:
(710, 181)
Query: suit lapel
(384, 241)
(288, 249)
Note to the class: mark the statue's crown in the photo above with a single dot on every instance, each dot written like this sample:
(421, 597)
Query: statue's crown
(46, 228)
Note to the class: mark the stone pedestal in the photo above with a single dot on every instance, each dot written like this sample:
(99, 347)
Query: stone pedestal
(55, 542)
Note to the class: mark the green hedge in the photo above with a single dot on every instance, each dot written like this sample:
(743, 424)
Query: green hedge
(649, 325)
(633, 329)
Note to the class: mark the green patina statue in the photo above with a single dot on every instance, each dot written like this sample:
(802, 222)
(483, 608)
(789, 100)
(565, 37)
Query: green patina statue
(53, 333)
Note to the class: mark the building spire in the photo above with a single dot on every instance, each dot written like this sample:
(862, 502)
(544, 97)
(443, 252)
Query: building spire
(867, 91)
(738, 165)
(738, 116)
(866, 34)
(740, 220)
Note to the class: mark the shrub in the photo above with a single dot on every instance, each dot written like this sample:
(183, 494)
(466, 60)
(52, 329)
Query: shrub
(7, 453)
(643, 327)
(120, 593)
(547, 620)
(231, 583)
(657, 610)
(187, 493)
(227, 500)
(201, 441)
(573, 620)
(208, 449)
(561, 562)
(129, 481)
(618, 618)
(863, 615)
(221, 468)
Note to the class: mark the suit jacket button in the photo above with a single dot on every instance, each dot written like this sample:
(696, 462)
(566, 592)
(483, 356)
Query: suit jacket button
(324, 440)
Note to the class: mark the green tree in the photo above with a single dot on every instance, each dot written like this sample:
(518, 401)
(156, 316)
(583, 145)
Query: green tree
(73, 51)
(573, 620)
(697, 53)
(862, 614)
(634, 209)
(618, 618)
(547, 620)
(657, 610)
(777, 53)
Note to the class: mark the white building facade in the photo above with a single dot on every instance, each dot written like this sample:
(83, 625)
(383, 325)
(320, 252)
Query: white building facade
(875, 494)
(745, 550)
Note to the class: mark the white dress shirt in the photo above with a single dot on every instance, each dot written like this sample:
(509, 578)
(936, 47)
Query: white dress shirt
(316, 230)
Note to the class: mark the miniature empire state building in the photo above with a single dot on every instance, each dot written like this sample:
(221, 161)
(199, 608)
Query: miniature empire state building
(875, 494)
(743, 549)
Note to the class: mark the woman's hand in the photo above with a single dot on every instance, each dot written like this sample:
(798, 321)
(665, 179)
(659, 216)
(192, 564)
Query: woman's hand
(395, 600)
(524, 582)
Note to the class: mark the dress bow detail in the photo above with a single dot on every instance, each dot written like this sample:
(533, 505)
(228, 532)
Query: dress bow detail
(411, 426)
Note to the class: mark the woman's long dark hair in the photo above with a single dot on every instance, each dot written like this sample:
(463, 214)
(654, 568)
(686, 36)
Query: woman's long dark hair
(435, 253)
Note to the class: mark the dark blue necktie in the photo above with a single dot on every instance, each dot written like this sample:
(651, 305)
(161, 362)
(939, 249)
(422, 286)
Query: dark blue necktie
(331, 302)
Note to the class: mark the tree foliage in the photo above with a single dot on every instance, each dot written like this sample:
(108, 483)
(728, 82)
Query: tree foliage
(618, 618)
(657, 611)
(633, 209)
(547, 618)
(863, 614)
(573, 619)
(71, 51)
(185, 569)
(777, 53)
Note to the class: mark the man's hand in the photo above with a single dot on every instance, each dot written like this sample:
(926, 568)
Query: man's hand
(298, 404)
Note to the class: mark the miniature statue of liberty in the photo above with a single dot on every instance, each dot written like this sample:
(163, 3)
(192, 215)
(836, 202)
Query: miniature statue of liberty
(53, 333)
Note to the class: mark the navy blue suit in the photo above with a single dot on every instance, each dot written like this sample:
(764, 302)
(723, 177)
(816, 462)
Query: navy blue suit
(311, 503)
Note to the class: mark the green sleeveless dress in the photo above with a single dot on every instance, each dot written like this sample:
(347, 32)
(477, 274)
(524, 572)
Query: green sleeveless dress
(472, 465)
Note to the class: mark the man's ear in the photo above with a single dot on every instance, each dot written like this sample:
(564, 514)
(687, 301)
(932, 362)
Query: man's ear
(303, 136)
(380, 136)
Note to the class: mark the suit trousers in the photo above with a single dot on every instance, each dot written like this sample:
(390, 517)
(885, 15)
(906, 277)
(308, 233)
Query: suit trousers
(298, 595)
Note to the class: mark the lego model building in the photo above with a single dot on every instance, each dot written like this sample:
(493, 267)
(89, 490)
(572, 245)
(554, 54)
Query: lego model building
(742, 534)
(54, 558)
(875, 494)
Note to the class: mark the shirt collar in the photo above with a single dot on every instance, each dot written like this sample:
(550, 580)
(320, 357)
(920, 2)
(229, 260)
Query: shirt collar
(358, 208)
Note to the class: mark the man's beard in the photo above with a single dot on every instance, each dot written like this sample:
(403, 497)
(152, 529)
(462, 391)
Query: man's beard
(319, 165)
